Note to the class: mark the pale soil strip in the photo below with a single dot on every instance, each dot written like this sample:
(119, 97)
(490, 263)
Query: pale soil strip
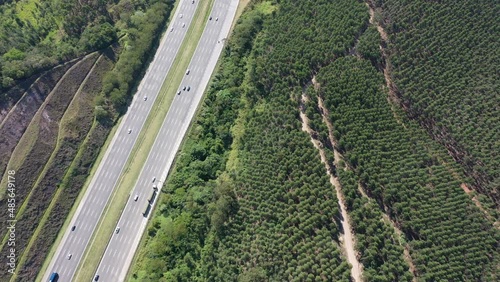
(348, 238)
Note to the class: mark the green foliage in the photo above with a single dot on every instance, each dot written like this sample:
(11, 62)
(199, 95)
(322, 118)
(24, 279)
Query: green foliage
(449, 238)
(299, 44)
(445, 64)
(368, 45)
(253, 275)
(286, 223)
(13, 54)
(225, 205)
(97, 37)
(36, 35)
(191, 189)
(142, 31)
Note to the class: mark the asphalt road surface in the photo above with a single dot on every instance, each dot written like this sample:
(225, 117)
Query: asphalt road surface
(71, 249)
(123, 244)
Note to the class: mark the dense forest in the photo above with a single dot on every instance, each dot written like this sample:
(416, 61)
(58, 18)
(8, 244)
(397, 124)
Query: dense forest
(445, 63)
(250, 200)
(36, 35)
(399, 169)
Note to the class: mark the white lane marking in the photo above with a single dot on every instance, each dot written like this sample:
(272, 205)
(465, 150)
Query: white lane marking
(80, 241)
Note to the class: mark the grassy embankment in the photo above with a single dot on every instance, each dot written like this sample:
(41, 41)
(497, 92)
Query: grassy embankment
(20, 115)
(77, 127)
(37, 174)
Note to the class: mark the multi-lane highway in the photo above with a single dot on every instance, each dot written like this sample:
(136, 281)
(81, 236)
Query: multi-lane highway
(75, 240)
(121, 248)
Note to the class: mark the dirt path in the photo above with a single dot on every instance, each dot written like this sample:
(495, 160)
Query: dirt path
(347, 239)
(392, 98)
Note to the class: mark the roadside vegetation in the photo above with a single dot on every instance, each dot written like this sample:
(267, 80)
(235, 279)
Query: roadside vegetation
(143, 30)
(179, 229)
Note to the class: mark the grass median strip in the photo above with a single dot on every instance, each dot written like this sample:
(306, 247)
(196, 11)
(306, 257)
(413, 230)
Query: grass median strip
(144, 144)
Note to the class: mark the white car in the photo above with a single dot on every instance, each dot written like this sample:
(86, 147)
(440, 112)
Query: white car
(136, 197)
(183, 24)
(217, 18)
(171, 29)
(188, 71)
(117, 230)
(181, 16)
(179, 92)
(69, 256)
(145, 98)
(129, 131)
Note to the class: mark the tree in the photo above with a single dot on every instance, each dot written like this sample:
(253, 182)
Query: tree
(256, 274)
